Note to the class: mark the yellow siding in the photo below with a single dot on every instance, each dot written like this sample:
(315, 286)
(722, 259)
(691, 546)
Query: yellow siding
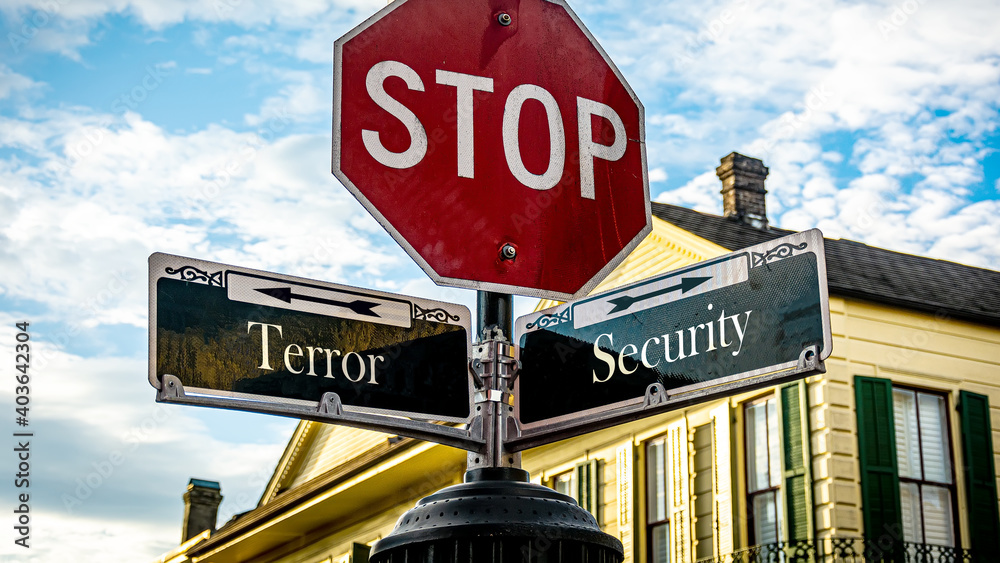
(562, 456)
(291, 460)
(723, 479)
(332, 446)
(679, 500)
(626, 487)
(910, 348)
(703, 492)
(608, 497)
(834, 448)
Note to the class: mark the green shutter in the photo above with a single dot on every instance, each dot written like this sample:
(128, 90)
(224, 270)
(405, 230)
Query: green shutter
(980, 475)
(359, 553)
(795, 462)
(877, 454)
(586, 486)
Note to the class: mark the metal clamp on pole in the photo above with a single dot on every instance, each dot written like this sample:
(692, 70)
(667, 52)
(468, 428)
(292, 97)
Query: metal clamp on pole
(494, 369)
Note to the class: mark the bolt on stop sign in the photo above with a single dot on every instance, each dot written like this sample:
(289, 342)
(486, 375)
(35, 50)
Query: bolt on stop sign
(495, 141)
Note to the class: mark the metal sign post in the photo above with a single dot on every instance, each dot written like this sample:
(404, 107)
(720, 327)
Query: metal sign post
(494, 369)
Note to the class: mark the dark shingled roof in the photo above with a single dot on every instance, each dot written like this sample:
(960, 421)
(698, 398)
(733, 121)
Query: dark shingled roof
(943, 288)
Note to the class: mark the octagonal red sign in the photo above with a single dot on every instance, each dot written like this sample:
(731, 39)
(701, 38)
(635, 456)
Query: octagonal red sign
(495, 141)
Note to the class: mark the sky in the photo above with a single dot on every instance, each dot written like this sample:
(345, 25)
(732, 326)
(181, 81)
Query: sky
(202, 128)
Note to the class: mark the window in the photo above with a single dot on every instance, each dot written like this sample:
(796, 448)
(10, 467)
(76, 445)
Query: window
(926, 478)
(907, 473)
(582, 484)
(658, 490)
(565, 483)
(763, 472)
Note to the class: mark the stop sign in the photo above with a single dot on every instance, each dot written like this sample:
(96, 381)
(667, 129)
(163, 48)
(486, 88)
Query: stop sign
(495, 141)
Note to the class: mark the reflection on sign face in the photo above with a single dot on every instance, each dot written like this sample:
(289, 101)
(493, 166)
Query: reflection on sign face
(733, 317)
(286, 340)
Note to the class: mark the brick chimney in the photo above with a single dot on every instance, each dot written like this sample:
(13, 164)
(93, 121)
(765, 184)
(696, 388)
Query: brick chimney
(743, 189)
(201, 507)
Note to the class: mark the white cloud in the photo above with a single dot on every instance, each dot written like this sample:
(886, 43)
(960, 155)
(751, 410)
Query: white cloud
(11, 82)
(157, 14)
(918, 104)
(44, 28)
(57, 536)
(104, 197)
(104, 451)
(300, 100)
(674, 125)
(65, 27)
(700, 194)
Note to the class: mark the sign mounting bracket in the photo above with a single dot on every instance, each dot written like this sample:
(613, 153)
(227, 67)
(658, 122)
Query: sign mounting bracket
(494, 368)
(331, 410)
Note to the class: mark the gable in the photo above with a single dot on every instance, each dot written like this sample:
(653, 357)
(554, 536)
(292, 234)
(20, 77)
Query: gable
(314, 449)
(667, 247)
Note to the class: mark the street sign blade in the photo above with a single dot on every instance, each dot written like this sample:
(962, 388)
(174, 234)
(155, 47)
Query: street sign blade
(251, 340)
(748, 319)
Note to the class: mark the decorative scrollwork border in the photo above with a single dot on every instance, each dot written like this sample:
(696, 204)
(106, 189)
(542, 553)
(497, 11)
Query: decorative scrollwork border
(437, 315)
(777, 253)
(192, 274)
(546, 321)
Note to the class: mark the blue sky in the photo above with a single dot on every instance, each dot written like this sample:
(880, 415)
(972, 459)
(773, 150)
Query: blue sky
(120, 118)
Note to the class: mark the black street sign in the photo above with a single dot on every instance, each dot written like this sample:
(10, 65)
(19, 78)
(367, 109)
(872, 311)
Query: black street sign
(231, 337)
(748, 319)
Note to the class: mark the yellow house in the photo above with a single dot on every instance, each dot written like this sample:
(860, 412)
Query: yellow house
(888, 456)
